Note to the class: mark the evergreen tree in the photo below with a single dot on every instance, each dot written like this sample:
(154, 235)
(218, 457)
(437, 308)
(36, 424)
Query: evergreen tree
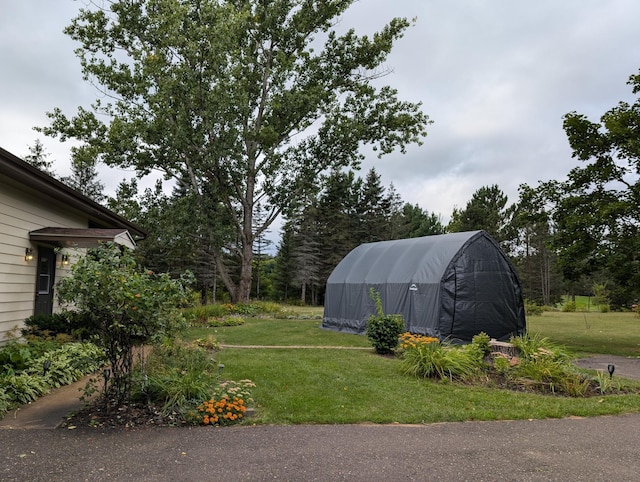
(84, 176)
(39, 157)
(414, 222)
(487, 210)
(284, 274)
(373, 210)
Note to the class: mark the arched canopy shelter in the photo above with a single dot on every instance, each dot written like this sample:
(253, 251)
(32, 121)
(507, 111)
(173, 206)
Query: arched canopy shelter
(450, 286)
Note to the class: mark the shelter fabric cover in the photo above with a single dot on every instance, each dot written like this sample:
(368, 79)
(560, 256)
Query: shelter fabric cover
(450, 286)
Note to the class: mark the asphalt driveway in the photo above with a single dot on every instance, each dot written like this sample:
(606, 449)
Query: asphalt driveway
(593, 449)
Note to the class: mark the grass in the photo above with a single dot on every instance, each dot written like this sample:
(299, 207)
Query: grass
(594, 332)
(316, 385)
(289, 332)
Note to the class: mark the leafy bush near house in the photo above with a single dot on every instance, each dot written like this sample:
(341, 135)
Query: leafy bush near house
(383, 330)
(128, 306)
(77, 325)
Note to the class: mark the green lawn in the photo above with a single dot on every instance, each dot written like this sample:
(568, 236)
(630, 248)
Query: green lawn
(593, 332)
(328, 385)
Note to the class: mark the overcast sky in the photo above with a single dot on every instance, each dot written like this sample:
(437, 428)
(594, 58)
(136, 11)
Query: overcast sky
(495, 76)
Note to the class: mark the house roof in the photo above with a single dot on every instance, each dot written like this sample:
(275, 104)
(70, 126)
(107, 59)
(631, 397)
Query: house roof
(81, 237)
(23, 172)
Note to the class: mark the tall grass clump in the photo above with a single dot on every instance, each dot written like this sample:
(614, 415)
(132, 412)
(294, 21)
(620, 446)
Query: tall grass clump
(545, 367)
(432, 359)
(176, 375)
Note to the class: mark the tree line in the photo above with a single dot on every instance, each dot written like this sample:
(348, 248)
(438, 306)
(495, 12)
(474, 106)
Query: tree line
(259, 111)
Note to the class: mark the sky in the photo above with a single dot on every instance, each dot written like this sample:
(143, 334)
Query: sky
(496, 78)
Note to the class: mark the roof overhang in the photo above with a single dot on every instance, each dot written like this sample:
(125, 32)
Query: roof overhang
(81, 238)
(24, 173)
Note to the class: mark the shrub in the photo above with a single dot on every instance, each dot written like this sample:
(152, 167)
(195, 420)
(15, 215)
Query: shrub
(225, 321)
(569, 307)
(531, 308)
(483, 343)
(76, 325)
(128, 306)
(383, 330)
(52, 324)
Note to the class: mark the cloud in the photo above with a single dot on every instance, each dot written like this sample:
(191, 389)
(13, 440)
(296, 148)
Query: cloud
(495, 76)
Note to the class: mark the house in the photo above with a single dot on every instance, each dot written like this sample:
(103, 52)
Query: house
(44, 225)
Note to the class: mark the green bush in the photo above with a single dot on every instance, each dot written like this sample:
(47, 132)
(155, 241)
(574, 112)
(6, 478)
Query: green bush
(14, 356)
(482, 342)
(384, 330)
(531, 308)
(225, 321)
(23, 388)
(569, 307)
(53, 324)
(129, 306)
(43, 366)
(78, 325)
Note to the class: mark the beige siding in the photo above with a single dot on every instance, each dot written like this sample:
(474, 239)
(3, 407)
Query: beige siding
(23, 210)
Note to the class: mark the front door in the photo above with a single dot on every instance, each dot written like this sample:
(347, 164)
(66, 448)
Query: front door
(44, 282)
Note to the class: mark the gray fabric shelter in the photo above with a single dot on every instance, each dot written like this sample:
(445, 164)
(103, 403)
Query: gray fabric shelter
(450, 286)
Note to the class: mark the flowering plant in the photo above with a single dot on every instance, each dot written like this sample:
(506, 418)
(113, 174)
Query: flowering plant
(228, 405)
(217, 412)
(409, 340)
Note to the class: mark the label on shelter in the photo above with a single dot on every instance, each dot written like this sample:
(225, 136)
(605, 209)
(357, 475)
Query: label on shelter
(413, 287)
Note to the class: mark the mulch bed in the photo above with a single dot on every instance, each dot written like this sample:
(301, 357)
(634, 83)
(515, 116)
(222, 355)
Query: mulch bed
(133, 415)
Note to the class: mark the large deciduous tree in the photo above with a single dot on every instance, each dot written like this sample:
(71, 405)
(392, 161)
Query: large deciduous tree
(247, 99)
(598, 208)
